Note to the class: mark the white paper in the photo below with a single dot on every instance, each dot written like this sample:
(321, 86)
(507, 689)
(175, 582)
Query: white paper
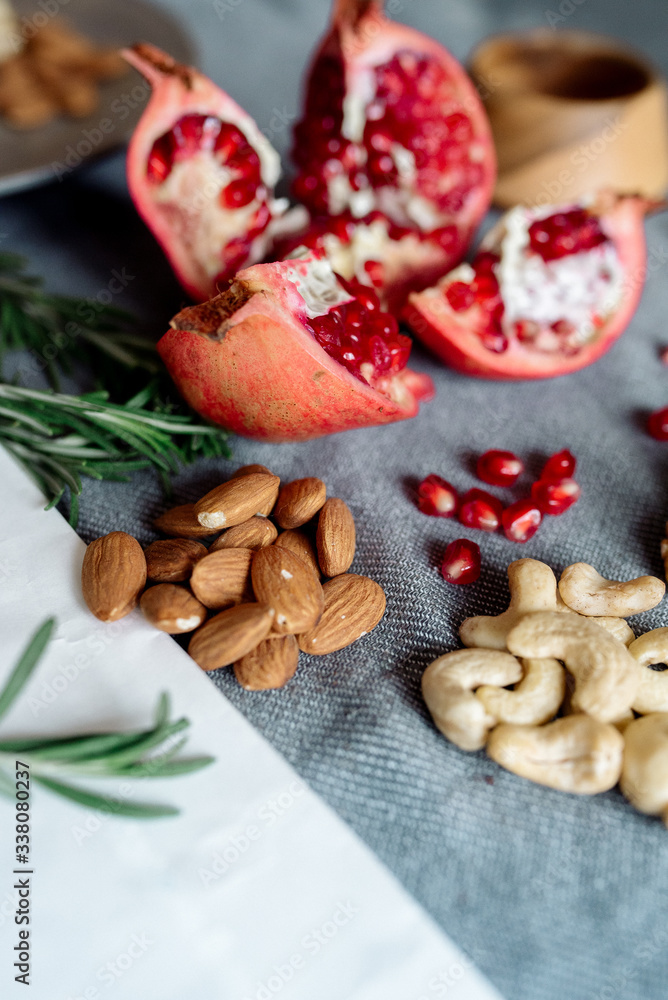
(256, 890)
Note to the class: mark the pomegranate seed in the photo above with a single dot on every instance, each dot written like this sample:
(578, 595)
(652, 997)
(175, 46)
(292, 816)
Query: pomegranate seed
(160, 159)
(437, 497)
(237, 194)
(480, 510)
(664, 356)
(376, 272)
(521, 520)
(561, 465)
(565, 233)
(461, 562)
(485, 261)
(499, 468)
(526, 330)
(485, 286)
(460, 296)
(554, 496)
(657, 424)
(447, 237)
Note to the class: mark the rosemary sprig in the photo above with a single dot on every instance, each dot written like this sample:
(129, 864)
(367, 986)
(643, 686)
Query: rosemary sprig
(148, 753)
(60, 438)
(57, 330)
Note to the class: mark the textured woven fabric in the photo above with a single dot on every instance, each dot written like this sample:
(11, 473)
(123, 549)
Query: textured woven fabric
(554, 896)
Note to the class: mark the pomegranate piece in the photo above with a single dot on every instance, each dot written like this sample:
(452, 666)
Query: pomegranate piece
(289, 353)
(657, 424)
(437, 497)
(479, 509)
(521, 520)
(554, 496)
(201, 174)
(561, 465)
(499, 468)
(550, 291)
(393, 124)
(461, 562)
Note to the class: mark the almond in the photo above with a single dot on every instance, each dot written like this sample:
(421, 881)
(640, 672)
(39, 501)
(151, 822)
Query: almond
(269, 665)
(172, 609)
(299, 501)
(335, 537)
(299, 543)
(246, 470)
(235, 501)
(255, 533)
(229, 636)
(353, 606)
(180, 522)
(171, 560)
(222, 578)
(113, 575)
(282, 580)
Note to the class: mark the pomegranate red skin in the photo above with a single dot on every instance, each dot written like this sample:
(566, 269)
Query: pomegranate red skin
(261, 374)
(176, 90)
(461, 348)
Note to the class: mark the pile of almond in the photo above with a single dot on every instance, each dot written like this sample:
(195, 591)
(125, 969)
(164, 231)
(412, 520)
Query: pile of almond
(264, 584)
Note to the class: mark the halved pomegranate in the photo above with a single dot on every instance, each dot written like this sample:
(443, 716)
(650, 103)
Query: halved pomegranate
(201, 174)
(291, 352)
(549, 292)
(393, 124)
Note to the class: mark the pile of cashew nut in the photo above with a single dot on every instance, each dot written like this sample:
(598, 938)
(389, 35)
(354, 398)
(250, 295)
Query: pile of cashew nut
(558, 689)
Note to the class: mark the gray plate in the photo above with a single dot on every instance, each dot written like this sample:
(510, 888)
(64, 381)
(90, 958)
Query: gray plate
(39, 155)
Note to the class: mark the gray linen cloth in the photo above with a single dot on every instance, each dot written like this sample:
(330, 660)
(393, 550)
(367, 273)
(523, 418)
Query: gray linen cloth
(554, 896)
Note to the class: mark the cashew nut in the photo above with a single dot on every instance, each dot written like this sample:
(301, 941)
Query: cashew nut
(533, 587)
(644, 779)
(448, 684)
(617, 627)
(652, 647)
(576, 754)
(536, 698)
(606, 675)
(587, 592)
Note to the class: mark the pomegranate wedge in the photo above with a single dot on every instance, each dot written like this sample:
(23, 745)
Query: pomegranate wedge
(290, 352)
(392, 125)
(201, 174)
(549, 292)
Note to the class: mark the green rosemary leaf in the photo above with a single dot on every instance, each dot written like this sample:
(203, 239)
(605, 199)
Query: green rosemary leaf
(25, 666)
(166, 769)
(104, 803)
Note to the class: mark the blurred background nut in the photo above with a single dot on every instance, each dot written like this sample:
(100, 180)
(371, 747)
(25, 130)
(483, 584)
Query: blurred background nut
(533, 587)
(172, 609)
(577, 754)
(448, 685)
(534, 700)
(649, 649)
(644, 779)
(171, 560)
(587, 592)
(606, 675)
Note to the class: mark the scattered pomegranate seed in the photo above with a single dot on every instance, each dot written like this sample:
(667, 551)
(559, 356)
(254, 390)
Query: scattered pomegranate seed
(554, 496)
(481, 510)
(437, 497)
(461, 562)
(664, 356)
(657, 424)
(521, 520)
(499, 468)
(561, 465)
